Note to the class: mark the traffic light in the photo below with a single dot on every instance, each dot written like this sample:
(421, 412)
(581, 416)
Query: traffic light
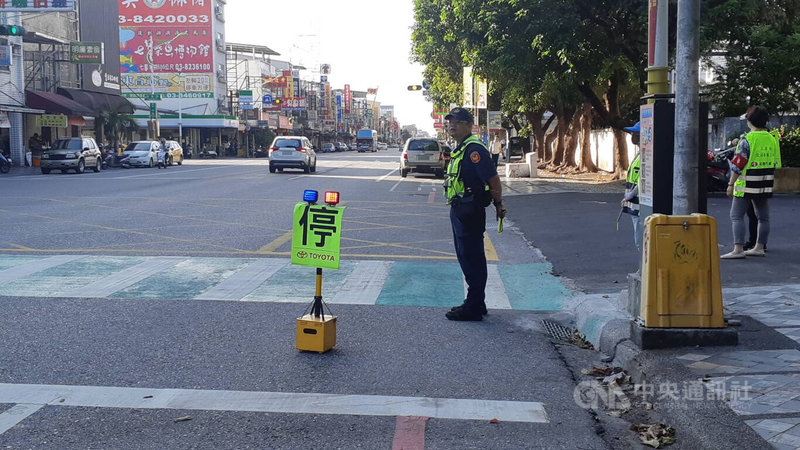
(277, 101)
(415, 87)
(11, 30)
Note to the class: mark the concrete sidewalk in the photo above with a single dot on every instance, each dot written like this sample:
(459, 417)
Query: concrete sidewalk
(576, 231)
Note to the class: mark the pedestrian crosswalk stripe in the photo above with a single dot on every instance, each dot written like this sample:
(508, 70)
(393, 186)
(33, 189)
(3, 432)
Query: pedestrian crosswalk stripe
(272, 402)
(30, 267)
(364, 282)
(106, 286)
(243, 282)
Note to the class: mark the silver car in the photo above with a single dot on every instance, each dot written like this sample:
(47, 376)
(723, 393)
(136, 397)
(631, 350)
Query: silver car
(423, 156)
(292, 152)
(72, 153)
(142, 153)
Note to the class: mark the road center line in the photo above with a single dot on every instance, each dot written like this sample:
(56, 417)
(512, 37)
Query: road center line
(275, 402)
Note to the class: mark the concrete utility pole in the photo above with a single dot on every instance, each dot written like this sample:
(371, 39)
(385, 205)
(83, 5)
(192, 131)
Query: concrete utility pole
(687, 110)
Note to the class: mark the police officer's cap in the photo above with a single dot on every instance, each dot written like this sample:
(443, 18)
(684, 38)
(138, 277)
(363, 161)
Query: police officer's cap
(460, 114)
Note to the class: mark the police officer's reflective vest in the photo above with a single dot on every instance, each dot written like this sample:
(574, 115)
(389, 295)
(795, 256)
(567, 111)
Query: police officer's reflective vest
(454, 185)
(758, 175)
(632, 206)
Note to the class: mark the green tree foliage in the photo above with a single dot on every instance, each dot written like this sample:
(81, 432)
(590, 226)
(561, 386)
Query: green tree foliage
(760, 43)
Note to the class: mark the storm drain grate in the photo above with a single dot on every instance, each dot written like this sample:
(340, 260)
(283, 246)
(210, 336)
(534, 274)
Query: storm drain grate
(558, 331)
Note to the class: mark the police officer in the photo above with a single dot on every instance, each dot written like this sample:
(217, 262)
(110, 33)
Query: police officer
(472, 184)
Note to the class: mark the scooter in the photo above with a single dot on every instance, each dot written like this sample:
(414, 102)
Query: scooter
(163, 158)
(718, 168)
(5, 164)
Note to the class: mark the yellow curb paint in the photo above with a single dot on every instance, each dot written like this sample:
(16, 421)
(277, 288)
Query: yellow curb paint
(491, 252)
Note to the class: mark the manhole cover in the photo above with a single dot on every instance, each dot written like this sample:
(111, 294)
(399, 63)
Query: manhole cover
(557, 331)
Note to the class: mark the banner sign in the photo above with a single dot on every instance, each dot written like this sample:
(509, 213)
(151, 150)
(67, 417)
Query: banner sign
(86, 52)
(289, 91)
(348, 99)
(316, 235)
(296, 83)
(162, 38)
(483, 93)
(52, 120)
(468, 89)
(36, 6)
(102, 76)
(275, 82)
(5, 55)
(293, 103)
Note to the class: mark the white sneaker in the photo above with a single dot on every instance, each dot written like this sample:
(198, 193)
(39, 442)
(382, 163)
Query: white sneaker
(733, 255)
(754, 252)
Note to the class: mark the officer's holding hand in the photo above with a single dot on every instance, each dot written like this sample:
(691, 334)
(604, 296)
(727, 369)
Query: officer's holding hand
(472, 184)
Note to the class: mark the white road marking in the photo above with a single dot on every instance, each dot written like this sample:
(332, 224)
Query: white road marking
(120, 280)
(386, 176)
(364, 284)
(245, 281)
(496, 297)
(274, 402)
(29, 268)
(155, 173)
(395, 185)
(11, 417)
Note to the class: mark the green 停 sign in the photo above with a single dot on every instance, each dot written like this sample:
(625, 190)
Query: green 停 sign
(316, 235)
(153, 112)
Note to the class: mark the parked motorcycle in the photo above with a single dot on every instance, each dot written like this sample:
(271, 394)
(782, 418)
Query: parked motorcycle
(718, 169)
(5, 164)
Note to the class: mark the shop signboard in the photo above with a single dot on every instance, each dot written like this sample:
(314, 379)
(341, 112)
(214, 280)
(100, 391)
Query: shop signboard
(275, 82)
(163, 42)
(246, 100)
(293, 103)
(495, 120)
(348, 99)
(52, 120)
(86, 52)
(37, 6)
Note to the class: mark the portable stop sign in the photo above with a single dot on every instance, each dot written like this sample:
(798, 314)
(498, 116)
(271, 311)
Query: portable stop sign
(316, 237)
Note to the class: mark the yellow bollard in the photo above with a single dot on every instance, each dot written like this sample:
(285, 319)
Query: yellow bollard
(680, 273)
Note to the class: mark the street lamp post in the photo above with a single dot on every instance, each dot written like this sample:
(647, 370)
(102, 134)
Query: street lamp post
(180, 108)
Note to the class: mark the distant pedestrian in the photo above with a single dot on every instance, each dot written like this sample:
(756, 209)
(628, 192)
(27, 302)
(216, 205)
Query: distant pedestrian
(472, 184)
(630, 202)
(496, 149)
(752, 177)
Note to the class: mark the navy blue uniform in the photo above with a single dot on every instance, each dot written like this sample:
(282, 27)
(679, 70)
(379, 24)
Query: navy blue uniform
(468, 218)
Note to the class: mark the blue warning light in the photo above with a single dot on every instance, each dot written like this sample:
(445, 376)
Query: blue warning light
(310, 196)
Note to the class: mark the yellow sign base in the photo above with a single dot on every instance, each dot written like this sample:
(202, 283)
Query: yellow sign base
(315, 334)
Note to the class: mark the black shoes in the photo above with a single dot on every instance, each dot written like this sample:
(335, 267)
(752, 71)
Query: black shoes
(482, 309)
(462, 314)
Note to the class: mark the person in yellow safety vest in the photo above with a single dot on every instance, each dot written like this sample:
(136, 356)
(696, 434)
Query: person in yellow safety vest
(471, 185)
(752, 177)
(630, 202)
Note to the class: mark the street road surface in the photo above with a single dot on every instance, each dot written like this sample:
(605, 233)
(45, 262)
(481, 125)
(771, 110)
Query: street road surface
(145, 308)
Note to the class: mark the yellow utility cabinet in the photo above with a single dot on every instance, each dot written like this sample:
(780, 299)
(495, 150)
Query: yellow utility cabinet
(680, 273)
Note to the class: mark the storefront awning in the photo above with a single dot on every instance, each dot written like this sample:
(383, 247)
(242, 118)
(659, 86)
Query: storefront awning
(20, 109)
(53, 103)
(97, 101)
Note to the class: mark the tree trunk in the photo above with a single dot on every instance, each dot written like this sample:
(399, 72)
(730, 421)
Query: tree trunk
(572, 140)
(535, 119)
(548, 145)
(561, 134)
(620, 144)
(587, 164)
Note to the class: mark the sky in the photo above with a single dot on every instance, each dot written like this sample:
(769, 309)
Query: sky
(366, 42)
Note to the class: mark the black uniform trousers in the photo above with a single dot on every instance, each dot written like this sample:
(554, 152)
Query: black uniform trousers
(468, 219)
